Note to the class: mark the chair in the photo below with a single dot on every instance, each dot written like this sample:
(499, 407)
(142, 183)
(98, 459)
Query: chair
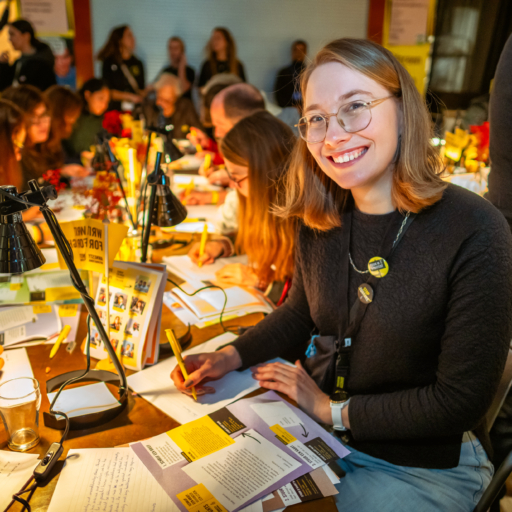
(492, 491)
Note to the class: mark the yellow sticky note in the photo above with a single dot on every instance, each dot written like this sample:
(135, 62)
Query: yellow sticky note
(199, 499)
(199, 438)
(68, 310)
(41, 308)
(15, 286)
(283, 435)
(62, 293)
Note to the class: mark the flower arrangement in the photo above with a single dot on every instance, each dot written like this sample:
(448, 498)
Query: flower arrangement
(105, 194)
(469, 150)
(53, 177)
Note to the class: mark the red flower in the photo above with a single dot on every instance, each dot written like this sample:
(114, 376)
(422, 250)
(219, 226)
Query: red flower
(112, 122)
(482, 133)
(53, 178)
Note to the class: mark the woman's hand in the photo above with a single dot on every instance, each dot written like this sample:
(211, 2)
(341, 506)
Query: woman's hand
(219, 177)
(237, 274)
(4, 58)
(75, 171)
(212, 251)
(203, 368)
(295, 382)
(196, 197)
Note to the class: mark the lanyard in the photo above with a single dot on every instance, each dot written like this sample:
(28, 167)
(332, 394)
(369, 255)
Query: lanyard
(352, 318)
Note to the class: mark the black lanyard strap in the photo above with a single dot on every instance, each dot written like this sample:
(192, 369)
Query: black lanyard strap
(394, 233)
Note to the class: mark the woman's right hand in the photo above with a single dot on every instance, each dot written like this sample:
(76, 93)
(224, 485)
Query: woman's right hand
(4, 57)
(203, 368)
(212, 251)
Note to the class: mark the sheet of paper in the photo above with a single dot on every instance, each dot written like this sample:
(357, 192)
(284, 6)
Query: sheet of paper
(257, 506)
(155, 385)
(16, 365)
(108, 479)
(14, 317)
(84, 400)
(242, 470)
(41, 281)
(15, 470)
(273, 413)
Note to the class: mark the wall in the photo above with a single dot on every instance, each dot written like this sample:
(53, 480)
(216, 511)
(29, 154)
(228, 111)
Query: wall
(263, 29)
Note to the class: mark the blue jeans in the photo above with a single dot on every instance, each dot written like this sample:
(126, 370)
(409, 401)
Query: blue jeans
(372, 485)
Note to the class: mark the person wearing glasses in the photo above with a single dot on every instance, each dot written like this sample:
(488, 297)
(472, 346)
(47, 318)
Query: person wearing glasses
(404, 281)
(255, 151)
(12, 140)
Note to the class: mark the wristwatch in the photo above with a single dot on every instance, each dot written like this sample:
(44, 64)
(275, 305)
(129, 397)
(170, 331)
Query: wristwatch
(339, 400)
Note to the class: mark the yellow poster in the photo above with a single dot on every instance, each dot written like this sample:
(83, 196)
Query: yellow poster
(87, 239)
(414, 60)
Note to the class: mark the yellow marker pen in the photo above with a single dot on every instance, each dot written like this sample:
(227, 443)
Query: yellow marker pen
(177, 352)
(202, 247)
(62, 336)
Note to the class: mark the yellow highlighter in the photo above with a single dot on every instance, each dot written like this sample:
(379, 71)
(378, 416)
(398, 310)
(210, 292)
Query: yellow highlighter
(62, 336)
(207, 162)
(202, 247)
(177, 352)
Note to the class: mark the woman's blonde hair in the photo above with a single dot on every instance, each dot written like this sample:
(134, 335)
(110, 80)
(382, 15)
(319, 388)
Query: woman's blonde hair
(314, 197)
(263, 143)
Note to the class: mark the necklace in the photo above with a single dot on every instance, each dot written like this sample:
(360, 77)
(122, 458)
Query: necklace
(394, 243)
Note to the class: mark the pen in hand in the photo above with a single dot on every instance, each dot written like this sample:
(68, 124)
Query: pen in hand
(177, 352)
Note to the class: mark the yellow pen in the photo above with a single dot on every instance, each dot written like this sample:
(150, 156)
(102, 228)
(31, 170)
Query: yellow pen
(202, 247)
(177, 352)
(62, 336)
(199, 149)
(207, 162)
(188, 190)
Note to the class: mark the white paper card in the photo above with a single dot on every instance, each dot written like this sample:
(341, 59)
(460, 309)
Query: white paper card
(84, 400)
(273, 413)
(16, 365)
(15, 470)
(15, 317)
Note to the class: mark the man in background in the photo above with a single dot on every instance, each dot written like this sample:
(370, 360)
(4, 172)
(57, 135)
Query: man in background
(286, 88)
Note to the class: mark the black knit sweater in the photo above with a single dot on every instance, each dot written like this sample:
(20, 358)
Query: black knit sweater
(432, 346)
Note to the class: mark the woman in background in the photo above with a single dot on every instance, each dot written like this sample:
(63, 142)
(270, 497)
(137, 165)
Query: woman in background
(256, 152)
(122, 71)
(35, 159)
(12, 139)
(95, 96)
(65, 107)
(34, 66)
(222, 57)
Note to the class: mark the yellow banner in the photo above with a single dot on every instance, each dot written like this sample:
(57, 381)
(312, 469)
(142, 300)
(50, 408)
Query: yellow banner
(414, 60)
(87, 239)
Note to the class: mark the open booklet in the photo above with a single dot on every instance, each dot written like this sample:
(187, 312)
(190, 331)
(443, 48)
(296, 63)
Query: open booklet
(136, 291)
(238, 454)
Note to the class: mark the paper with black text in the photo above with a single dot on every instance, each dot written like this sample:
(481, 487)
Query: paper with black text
(111, 479)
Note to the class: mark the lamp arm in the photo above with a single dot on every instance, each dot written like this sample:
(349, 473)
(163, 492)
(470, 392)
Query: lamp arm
(75, 275)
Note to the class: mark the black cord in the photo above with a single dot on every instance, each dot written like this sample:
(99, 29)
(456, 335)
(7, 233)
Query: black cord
(25, 503)
(224, 328)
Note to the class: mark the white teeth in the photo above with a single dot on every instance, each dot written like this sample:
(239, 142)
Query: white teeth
(347, 157)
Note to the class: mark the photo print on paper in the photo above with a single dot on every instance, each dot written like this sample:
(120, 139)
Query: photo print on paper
(142, 284)
(102, 297)
(137, 306)
(120, 300)
(116, 324)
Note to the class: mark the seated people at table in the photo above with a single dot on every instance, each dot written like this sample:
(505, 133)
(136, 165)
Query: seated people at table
(419, 377)
(35, 159)
(34, 66)
(179, 67)
(65, 107)
(256, 152)
(95, 97)
(221, 57)
(122, 71)
(286, 87)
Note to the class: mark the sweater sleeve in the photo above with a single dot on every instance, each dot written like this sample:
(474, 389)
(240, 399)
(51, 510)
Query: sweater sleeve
(286, 327)
(473, 349)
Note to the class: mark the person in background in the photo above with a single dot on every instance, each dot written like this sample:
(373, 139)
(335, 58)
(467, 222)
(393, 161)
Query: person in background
(170, 110)
(179, 67)
(222, 57)
(286, 88)
(12, 140)
(34, 67)
(95, 99)
(65, 69)
(122, 71)
(35, 158)
(65, 107)
(256, 151)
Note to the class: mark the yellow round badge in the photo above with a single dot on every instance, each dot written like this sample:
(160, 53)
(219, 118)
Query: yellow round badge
(378, 266)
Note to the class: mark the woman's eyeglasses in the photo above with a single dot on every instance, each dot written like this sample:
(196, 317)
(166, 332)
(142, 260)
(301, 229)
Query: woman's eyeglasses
(235, 181)
(43, 118)
(352, 117)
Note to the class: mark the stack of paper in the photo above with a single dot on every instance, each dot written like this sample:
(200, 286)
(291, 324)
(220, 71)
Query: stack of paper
(15, 470)
(135, 302)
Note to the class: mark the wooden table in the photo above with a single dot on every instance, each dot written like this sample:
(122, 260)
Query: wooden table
(139, 420)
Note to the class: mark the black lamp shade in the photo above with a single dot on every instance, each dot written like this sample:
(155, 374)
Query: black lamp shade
(168, 209)
(18, 251)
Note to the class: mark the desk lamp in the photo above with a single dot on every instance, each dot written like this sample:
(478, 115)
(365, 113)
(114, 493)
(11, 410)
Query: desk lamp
(19, 253)
(165, 210)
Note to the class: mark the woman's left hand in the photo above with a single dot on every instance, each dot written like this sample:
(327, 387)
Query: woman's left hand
(237, 274)
(295, 382)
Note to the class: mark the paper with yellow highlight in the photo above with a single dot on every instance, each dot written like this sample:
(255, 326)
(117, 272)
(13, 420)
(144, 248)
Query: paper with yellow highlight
(199, 438)
(199, 499)
(283, 435)
(86, 237)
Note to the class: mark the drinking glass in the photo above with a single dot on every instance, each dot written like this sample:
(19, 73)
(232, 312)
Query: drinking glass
(20, 400)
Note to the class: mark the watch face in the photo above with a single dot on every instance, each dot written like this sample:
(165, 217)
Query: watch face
(339, 396)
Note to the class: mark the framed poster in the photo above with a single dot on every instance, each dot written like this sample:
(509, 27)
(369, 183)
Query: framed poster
(49, 17)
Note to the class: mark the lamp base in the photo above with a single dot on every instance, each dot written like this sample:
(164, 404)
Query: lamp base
(85, 421)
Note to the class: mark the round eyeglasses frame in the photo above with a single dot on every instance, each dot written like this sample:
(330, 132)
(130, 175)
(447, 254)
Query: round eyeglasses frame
(367, 104)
